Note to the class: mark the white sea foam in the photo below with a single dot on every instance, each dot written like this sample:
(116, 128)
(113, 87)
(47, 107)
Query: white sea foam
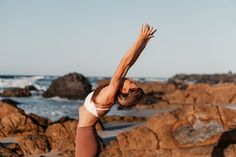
(22, 81)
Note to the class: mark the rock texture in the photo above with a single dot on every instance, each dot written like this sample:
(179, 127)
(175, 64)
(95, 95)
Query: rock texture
(11, 150)
(34, 144)
(16, 92)
(178, 93)
(71, 86)
(14, 121)
(165, 95)
(61, 136)
(117, 118)
(193, 131)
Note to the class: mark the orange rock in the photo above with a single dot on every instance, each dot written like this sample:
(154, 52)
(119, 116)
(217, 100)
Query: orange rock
(134, 140)
(162, 124)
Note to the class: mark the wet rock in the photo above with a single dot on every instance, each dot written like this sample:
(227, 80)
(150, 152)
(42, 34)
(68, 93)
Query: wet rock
(70, 86)
(16, 92)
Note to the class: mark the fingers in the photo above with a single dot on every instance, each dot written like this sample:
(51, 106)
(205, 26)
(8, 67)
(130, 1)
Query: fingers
(146, 29)
(152, 32)
(147, 32)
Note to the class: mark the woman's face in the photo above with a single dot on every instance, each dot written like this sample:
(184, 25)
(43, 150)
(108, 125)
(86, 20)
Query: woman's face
(128, 84)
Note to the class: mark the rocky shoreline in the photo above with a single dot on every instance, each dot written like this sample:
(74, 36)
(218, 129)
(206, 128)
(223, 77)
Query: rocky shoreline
(201, 122)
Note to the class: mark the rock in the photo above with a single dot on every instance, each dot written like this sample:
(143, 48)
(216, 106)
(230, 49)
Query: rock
(179, 84)
(150, 98)
(39, 120)
(5, 152)
(206, 78)
(14, 147)
(10, 101)
(176, 97)
(61, 136)
(16, 92)
(161, 125)
(70, 86)
(31, 88)
(198, 94)
(204, 151)
(34, 144)
(14, 121)
(191, 131)
(134, 140)
(117, 118)
(99, 126)
(64, 119)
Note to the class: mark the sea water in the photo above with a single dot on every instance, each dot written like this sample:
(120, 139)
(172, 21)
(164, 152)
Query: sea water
(55, 107)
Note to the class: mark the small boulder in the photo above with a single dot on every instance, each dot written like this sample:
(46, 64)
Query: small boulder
(15, 92)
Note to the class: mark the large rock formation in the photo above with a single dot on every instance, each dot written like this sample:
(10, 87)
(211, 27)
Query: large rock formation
(165, 95)
(71, 86)
(193, 131)
(34, 135)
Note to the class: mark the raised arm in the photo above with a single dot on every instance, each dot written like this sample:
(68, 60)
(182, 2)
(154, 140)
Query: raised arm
(130, 57)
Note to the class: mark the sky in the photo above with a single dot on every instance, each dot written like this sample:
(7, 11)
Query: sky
(55, 37)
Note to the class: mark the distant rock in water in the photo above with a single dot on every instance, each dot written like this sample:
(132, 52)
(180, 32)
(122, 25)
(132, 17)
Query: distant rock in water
(10, 101)
(31, 87)
(205, 78)
(16, 92)
(70, 86)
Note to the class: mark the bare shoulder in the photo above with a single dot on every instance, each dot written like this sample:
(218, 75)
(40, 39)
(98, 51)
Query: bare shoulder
(105, 96)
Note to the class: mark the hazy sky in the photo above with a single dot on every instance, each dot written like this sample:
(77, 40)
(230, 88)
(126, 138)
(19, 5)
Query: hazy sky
(56, 37)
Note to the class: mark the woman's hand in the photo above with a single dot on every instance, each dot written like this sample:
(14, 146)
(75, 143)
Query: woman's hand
(147, 32)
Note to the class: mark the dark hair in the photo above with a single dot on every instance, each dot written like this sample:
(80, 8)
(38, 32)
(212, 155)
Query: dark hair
(130, 99)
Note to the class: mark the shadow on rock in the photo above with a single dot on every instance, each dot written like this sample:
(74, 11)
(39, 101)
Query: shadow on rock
(226, 144)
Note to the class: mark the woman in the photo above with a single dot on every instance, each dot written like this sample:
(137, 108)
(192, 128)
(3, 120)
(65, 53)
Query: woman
(123, 91)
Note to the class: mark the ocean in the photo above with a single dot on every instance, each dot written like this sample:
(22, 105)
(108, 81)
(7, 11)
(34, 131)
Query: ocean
(53, 108)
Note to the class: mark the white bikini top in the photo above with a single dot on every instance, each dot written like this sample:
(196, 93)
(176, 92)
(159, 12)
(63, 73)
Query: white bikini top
(90, 106)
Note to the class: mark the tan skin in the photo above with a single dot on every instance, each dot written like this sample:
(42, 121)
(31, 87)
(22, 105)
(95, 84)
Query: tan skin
(107, 96)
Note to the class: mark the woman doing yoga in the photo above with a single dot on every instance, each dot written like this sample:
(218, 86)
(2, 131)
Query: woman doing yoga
(121, 90)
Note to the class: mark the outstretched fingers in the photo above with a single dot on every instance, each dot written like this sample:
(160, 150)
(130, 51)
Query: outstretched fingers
(147, 32)
(153, 31)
